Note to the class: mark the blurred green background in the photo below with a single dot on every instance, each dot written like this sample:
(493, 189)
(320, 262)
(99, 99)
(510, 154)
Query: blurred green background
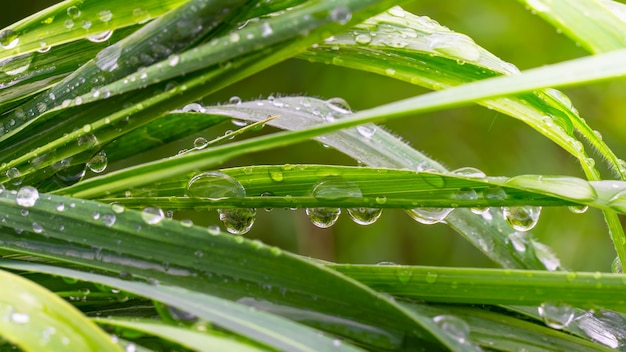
(471, 136)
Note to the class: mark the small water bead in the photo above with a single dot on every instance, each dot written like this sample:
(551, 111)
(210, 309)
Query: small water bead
(60, 207)
(237, 221)
(13, 173)
(366, 131)
(429, 216)
(454, 45)
(323, 217)
(27, 196)
(338, 105)
(556, 315)
(453, 326)
(85, 24)
(616, 266)
(105, 15)
(69, 24)
(98, 163)
(200, 143)
(341, 15)
(141, 15)
(364, 216)
(73, 12)
(100, 37)
(234, 100)
(152, 215)
(117, 208)
(173, 60)
(19, 318)
(578, 209)
(213, 230)
(521, 218)
(108, 219)
(469, 172)
(266, 29)
(363, 39)
(8, 39)
(193, 107)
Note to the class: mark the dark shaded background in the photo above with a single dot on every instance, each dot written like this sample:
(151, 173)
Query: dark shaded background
(472, 136)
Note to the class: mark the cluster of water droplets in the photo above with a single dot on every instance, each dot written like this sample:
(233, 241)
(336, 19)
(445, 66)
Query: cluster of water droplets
(336, 188)
(217, 185)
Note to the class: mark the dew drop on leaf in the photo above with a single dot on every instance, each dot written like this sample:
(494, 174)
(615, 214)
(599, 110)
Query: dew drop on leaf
(214, 185)
(19, 318)
(578, 209)
(616, 266)
(453, 326)
(429, 216)
(521, 218)
(105, 15)
(152, 215)
(237, 221)
(8, 39)
(200, 143)
(73, 12)
(556, 315)
(364, 216)
(98, 163)
(323, 217)
(363, 39)
(100, 37)
(27, 196)
(341, 15)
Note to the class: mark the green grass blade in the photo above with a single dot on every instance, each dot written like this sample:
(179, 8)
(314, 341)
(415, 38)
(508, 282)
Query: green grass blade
(491, 286)
(596, 25)
(77, 19)
(271, 330)
(194, 340)
(36, 319)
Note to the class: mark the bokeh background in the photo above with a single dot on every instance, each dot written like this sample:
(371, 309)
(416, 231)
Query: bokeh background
(470, 136)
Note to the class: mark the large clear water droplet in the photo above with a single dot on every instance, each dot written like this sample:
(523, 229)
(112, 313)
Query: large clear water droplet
(341, 15)
(69, 175)
(429, 216)
(323, 217)
(578, 209)
(454, 45)
(98, 163)
(453, 326)
(364, 216)
(152, 215)
(214, 185)
(237, 221)
(521, 218)
(470, 172)
(100, 37)
(8, 39)
(338, 105)
(556, 315)
(27, 196)
(15, 65)
(335, 188)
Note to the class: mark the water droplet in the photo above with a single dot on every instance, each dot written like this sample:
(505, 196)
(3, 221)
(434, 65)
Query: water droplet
(453, 326)
(338, 105)
(323, 217)
(105, 15)
(200, 143)
(173, 60)
(214, 185)
(13, 173)
(545, 256)
(521, 218)
(266, 29)
(454, 45)
(234, 100)
(37, 228)
(141, 15)
(469, 172)
(616, 266)
(213, 229)
(234, 37)
(100, 37)
(335, 188)
(429, 216)
(363, 39)
(364, 216)
(404, 275)
(193, 107)
(15, 65)
(106, 59)
(556, 315)
(518, 240)
(237, 221)
(8, 39)
(152, 215)
(367, 130)
(431, 277)
(73, 12)
(98, 163)
(117, 208)
(276, 175)
(340, 14)
(69, 24)
(27, 196)
(20, 318)
(43, 47)
(108, 219)
(578, 209)
(60, 207)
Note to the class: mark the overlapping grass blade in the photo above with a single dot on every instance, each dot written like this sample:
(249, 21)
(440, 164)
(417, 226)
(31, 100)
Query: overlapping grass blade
(36, 319)
(596, 25)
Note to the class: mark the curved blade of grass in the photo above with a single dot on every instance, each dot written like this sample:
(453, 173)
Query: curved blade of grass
(491, 286)
(108, 238)
(493, 329)
(197, 341)
(271, 330)
(77, 19)
(596, 25)
(36, 319)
